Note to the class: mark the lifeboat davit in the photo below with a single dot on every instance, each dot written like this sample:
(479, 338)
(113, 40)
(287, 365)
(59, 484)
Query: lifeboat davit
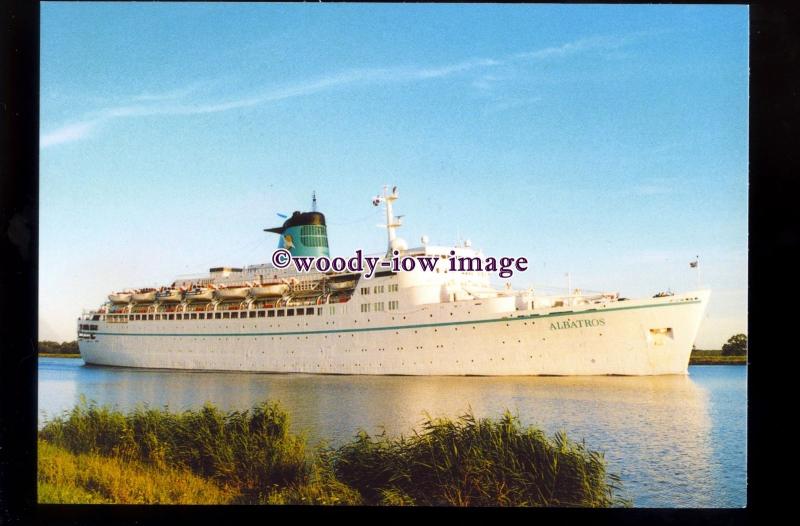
(144, 296)
(120, 297)
(232, 293)
(269, 290)
(170, 295)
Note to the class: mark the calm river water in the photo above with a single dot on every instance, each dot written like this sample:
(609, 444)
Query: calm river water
(676, 441)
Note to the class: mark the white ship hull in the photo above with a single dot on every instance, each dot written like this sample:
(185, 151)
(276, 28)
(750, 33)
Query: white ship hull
(487, 337)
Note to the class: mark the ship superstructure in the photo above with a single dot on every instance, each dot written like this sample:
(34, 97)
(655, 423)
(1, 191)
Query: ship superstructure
(420, 322)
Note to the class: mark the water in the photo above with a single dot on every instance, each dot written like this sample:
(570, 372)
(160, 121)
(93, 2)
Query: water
(676, 441)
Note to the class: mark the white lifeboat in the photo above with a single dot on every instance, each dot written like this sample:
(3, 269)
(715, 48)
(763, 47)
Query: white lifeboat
(170, 295)
(144, 296)
(199, 294)
(231, 293)
(342, 285)
(269, 290)
(120, 297)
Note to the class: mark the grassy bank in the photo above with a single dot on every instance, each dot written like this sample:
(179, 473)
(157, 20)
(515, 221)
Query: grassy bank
(712, 357)
(59, 355)
(94, 454)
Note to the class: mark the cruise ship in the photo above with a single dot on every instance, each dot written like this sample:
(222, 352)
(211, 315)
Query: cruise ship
(447, 321)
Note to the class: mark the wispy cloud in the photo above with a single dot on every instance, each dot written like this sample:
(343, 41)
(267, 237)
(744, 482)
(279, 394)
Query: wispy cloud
(175, 102)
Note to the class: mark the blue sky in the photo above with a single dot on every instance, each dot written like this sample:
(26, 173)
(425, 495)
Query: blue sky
(609, 142)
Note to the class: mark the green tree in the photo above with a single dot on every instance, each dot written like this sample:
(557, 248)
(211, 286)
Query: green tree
(736, 346)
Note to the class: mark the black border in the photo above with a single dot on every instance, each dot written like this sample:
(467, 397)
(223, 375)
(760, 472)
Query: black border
(774, 233)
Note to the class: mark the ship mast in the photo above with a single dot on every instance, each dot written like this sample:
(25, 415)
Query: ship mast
(391, 222)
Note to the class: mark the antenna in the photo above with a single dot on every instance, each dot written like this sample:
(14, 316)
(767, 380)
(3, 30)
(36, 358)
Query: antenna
(314, 201)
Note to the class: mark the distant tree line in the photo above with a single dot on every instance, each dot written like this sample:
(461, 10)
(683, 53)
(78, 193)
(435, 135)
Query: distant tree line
(48, 347)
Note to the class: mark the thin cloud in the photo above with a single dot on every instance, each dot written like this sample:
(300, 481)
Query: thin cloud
(169, 103)
(70, 133)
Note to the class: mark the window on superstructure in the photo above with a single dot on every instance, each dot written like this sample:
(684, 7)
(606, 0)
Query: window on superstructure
(393, 305)
(217, 315)
(319, 311)
(226, 315)
(314, 235)
(261, 313)
(234, 314)
(364, 290)
(252, 314)
(393, 287)
(281, 313)
(202, 315)
(332, 310)
(270, 314)
(365, 307)
(194, 315)
(290, 312)
(309, 311)
(171, 316)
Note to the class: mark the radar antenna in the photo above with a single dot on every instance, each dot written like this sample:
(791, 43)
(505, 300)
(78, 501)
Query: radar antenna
(314, 201)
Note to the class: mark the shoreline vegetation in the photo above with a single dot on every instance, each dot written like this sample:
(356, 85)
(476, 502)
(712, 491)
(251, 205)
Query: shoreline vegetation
(51, 349)
(706, 357)
(206, 456)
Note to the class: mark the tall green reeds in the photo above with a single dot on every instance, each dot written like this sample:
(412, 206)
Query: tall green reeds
(461, 462)
(252, 450)
(476, 462)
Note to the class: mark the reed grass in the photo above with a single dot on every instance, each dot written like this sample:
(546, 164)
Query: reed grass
(251, 450)
(477, 462)
(251, 457)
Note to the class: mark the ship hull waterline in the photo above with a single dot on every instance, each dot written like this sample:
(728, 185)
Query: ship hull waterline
(642, 337)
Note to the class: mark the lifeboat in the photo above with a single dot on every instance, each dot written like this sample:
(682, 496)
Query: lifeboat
(269, 290)
(305, 288)
(144, 296)
(199, 294)
(231, 293)
(342, 285)
(120, 297)
(170, 295)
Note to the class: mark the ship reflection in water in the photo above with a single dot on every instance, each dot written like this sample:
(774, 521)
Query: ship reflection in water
(677, 441)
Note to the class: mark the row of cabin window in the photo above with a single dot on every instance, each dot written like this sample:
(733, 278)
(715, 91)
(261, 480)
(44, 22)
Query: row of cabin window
(223, 315)
(379, 306)
(378, 289)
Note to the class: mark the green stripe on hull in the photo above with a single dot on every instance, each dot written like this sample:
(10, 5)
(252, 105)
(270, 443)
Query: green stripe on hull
(402, 327)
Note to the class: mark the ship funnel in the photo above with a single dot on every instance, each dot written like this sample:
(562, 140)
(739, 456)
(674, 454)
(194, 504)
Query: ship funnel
(303, 234)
